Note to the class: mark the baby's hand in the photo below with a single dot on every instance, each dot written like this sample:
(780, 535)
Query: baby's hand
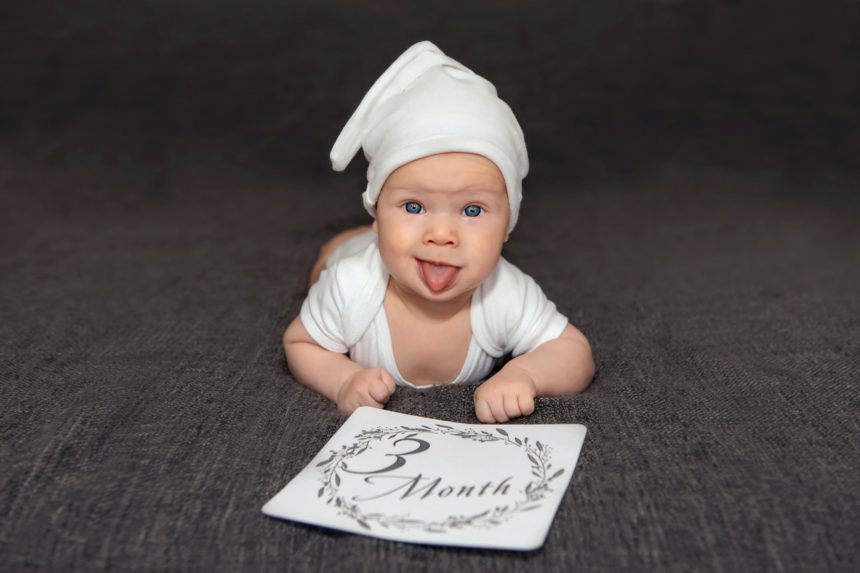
(508, 394)
(369, 387)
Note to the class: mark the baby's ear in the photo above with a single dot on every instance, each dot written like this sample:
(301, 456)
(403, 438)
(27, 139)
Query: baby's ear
(375, 227)
(507, 236)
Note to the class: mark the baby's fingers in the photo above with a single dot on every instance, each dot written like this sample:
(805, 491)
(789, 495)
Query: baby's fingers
(365, 399)
(497, 407)
(388, 379)
(527, 404)
(379, 392)
(483, 412)
(382, 388)
(511, 406)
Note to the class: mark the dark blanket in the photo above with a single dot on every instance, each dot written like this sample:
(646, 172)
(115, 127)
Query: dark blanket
(164, 190)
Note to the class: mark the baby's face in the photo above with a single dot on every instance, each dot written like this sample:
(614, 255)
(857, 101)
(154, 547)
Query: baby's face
(442, 221)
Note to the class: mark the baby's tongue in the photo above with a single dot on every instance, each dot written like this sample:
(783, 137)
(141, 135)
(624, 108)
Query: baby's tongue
(438, 277)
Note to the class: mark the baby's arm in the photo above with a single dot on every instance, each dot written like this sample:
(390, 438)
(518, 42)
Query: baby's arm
(556, 367)
(334, 375)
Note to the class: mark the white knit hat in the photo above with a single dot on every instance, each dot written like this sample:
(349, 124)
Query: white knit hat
(426, 103)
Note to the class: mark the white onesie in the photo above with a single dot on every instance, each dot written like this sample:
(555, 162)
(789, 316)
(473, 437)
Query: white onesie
(344, 313)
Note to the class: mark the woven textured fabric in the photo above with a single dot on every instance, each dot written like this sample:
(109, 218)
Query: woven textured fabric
(156, 236)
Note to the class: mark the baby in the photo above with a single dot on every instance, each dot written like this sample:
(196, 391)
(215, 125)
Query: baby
(424, 297)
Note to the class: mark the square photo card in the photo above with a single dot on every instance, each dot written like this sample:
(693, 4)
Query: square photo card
(420, 480)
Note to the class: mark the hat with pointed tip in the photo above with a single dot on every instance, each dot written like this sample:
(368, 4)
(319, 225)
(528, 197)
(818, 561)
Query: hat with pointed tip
(427, 103)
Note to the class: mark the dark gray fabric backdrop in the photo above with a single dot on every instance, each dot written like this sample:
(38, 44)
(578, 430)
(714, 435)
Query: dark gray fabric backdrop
(693, 208)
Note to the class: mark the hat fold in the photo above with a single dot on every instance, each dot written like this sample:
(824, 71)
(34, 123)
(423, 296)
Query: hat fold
(399, 75)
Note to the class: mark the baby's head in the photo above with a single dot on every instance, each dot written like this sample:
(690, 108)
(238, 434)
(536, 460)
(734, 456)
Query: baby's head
(426, 104)
(446, 162)
(442, 221)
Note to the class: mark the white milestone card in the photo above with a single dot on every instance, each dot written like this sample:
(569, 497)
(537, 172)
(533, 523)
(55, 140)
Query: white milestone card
(420, 480)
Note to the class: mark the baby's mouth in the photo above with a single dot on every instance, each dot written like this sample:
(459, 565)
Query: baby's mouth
(437, 276)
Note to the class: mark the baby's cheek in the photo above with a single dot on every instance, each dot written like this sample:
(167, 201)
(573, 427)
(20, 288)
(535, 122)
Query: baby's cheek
(389, 256)
(487, 262)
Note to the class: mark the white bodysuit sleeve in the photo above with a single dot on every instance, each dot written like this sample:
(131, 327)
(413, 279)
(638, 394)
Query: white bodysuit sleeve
(539, 321)
(515, 315)
(322, 313)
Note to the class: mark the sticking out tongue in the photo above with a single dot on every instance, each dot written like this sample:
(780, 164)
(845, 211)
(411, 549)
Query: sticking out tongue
(437, 277)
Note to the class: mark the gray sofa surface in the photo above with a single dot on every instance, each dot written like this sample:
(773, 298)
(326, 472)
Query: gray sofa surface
(161, 205)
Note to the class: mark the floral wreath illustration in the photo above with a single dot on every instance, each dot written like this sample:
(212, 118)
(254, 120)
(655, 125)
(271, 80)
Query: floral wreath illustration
(537, 454)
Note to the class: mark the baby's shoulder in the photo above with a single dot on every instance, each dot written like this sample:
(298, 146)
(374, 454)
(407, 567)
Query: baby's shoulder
(348, 294)
(357, 279)
(506, 285)
(355, 270)
(513, 314)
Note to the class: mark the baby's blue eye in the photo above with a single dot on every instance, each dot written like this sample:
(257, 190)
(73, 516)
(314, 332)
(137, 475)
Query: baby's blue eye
(472, 211)
(413, 207)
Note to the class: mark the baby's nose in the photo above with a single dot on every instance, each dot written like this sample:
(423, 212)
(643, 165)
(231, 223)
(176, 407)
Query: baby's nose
(441, 231)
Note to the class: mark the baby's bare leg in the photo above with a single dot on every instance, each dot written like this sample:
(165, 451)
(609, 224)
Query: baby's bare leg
(331, 245)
